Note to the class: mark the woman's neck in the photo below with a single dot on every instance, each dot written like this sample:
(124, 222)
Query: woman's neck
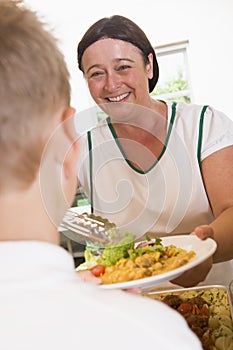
(143, 139)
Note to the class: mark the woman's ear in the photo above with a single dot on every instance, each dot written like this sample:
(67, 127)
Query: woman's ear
(149, 66)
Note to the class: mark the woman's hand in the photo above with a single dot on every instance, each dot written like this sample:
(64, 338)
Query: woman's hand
(198, 274)
(203, 232)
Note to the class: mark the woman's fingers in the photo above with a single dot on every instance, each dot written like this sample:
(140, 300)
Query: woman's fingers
(204, 231)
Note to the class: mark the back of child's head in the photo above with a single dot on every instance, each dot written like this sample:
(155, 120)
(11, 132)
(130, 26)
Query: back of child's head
(34, 86)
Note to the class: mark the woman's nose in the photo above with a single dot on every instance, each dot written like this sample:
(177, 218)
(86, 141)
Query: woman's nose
(112, 82)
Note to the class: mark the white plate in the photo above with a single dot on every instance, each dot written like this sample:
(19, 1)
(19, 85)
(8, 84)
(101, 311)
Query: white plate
(203, 249)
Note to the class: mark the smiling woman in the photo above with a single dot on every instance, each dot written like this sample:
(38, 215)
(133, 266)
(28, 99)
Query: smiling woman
(140, 165)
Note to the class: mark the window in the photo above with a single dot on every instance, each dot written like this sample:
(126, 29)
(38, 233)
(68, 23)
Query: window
(173, 83)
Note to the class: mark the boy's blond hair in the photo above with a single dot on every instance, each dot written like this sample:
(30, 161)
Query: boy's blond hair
(34, 84)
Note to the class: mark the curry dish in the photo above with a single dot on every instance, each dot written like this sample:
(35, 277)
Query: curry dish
(146, 263)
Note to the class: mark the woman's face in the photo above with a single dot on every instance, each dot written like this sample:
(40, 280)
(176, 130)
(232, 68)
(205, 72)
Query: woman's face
(116, 73)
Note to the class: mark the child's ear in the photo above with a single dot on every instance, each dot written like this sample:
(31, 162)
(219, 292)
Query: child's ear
(69, 173)
(71, 160)
(68, 123)
(68, 112)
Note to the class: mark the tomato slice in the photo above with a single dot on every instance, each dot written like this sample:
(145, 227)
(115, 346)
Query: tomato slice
(98, 270)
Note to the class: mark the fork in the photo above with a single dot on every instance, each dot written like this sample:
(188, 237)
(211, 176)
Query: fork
(89, 228)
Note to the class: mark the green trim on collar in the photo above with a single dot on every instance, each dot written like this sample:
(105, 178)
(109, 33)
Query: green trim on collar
(90, 167)
(201, 122)
(163, 150)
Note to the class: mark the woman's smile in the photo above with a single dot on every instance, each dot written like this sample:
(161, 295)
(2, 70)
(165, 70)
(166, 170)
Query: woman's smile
(118, 98)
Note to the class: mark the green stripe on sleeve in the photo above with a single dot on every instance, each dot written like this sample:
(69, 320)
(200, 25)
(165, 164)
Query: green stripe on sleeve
(200, 134)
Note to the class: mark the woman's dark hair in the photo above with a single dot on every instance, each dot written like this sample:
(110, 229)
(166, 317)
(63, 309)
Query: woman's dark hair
(121, 28)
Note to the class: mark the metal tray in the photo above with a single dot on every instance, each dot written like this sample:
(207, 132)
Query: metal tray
(201, 290)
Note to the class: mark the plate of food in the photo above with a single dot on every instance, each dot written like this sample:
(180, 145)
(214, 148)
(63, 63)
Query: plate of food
(148, 263)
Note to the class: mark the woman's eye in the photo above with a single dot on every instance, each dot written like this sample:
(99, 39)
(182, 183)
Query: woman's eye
(95, 74)
(123, 67)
